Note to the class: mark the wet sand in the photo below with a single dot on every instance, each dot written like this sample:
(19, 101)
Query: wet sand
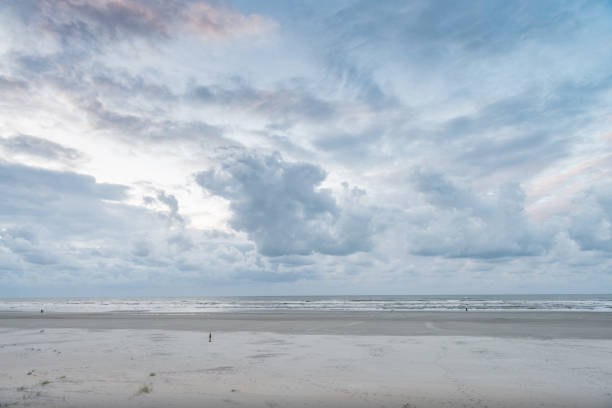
(309, 359)
(541, 325)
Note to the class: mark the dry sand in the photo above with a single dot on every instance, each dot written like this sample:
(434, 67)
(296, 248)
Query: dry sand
(511, 360)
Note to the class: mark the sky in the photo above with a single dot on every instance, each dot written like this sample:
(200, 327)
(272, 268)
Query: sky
(198, 148)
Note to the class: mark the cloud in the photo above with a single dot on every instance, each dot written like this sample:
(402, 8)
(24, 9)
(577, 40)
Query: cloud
(95, 21)
(103, 117)
(591, 221)
(279, 104)
(359, 80)
(20, 177)
(66, 228)
(508, 103)
(12, 84)
(433, 30)
(462, 224)
(218, 21)
(35, 146)
(52, 198)
(44, 214)
(21, 243)
(283, 209)
(119, 83)
(172, 203)
(525, 132)
(365, 146)
(146, 127)
(274, 277)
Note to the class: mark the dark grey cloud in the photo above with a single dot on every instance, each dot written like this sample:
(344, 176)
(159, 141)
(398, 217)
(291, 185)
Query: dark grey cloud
(282, 208)
(36, 146)
(37, 64)
(462, 224)
(274, 277)
(141, 249)
(43, 211)
(293, 260)
(525, 132)
(172, 203)
(367, 146)
(537, 150)
(72, 71)
(107, 118)
(282, 104)
(591, 221)
(62, 224)
(11, 84)
(23, 241)
(57, 201)
(15, 177)
(565, 104)
(145, 127)
(123, 84)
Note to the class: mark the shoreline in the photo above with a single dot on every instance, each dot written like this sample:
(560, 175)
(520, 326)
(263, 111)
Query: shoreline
(539, 325)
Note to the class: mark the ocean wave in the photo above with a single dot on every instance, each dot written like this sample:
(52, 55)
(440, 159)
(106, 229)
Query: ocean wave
(591, 303)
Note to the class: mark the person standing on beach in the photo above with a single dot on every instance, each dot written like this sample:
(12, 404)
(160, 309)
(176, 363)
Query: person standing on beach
(210, 337)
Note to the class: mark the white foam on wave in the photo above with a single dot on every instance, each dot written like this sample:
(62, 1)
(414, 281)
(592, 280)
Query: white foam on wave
(594, 303)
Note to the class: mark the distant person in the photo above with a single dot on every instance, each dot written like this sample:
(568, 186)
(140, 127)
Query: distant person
(210, 337)
(42, 311)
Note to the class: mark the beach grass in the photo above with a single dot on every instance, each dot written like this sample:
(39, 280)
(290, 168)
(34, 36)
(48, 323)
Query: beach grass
(145, 389)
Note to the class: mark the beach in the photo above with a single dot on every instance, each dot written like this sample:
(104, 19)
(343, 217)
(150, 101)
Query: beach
(306, 359)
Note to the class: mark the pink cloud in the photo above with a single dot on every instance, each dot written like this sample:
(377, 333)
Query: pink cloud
(121, 19)
(214, 21)
(555, 193)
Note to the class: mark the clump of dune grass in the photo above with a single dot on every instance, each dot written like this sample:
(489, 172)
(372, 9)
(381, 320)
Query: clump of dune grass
(45, 382)
(145, 389)
(22, 388)
(151, 374)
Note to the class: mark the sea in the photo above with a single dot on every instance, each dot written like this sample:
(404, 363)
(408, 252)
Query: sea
(480, 303)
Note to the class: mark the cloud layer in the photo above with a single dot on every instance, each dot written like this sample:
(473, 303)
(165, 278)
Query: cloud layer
(241, 148)
(282, 208)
